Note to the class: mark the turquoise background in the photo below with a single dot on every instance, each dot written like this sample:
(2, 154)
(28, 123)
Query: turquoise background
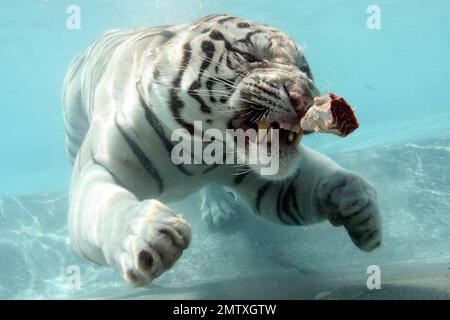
(397, 77)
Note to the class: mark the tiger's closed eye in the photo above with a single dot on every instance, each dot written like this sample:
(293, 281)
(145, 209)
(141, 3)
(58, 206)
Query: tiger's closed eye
(250, 58)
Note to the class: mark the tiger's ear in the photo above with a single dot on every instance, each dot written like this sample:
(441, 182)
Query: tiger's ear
(303, 64)
(300, 49)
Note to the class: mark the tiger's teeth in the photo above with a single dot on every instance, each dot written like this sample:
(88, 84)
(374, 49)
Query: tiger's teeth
(284, 125)
(298, 138)
(261, 135)
(291, 137)
(264, 124)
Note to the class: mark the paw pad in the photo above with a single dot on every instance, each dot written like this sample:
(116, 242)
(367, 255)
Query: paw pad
(156, 240)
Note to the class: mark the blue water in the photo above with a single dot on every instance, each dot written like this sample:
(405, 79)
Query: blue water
(397, 77)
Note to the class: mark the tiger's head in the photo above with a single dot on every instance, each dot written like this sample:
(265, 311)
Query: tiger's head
(231, 73)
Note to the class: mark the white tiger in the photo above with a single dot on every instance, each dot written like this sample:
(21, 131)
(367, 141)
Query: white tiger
(130, 89)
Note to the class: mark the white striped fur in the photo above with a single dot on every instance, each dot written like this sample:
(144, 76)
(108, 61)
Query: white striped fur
(130, 89)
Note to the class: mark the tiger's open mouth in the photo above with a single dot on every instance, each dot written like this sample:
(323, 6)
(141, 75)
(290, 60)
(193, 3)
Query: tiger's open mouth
(289, 132)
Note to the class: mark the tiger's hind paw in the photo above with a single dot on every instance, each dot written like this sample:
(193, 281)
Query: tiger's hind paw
(220, 210)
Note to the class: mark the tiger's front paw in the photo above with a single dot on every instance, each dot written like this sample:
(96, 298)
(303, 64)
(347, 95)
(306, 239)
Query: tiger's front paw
(157, 238)
(349, 200)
